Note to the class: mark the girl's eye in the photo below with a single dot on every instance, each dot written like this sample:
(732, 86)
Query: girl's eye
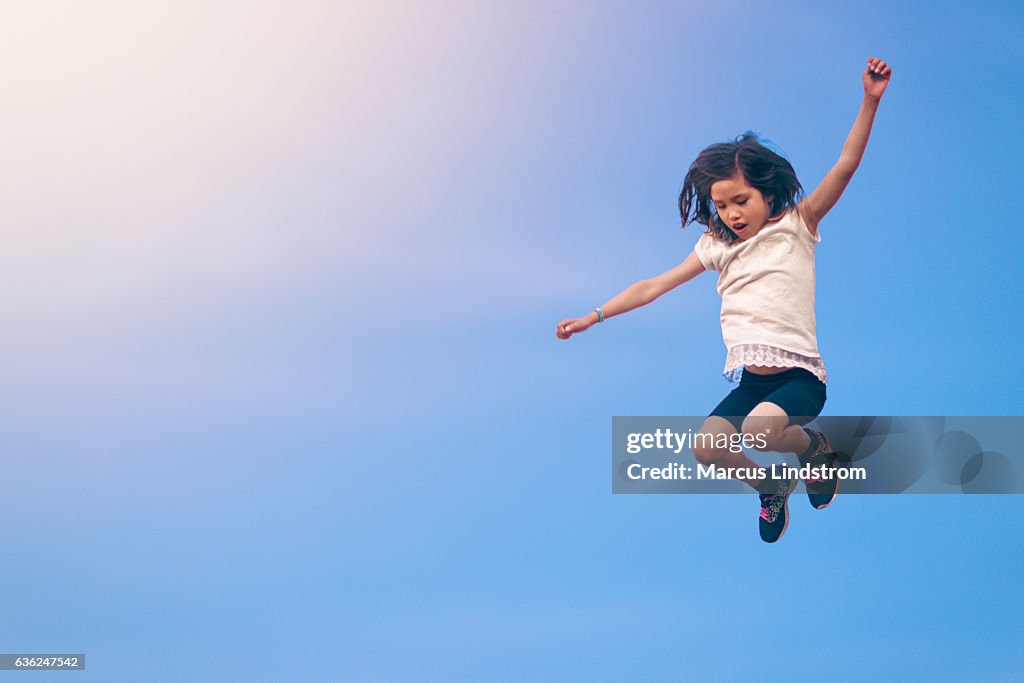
(742, 203)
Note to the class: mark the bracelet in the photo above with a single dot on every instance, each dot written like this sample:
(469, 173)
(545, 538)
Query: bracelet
(600, 315)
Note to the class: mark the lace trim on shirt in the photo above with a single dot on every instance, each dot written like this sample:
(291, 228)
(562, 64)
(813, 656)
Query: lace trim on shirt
(772, 357)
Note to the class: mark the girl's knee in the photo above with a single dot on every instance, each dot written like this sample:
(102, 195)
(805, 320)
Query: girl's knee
(764, 432)
(710, 444)
(706, 452)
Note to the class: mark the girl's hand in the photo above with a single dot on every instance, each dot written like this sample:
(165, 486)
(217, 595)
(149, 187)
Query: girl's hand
(571, 326)
(876, 77)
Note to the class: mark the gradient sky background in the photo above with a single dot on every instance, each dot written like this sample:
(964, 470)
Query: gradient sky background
(283, 395)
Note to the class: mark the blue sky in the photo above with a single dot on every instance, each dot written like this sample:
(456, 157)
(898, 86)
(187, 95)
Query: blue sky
(284, 396)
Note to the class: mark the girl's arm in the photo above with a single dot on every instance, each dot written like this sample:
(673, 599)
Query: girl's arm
(635, 296)
(820, 202)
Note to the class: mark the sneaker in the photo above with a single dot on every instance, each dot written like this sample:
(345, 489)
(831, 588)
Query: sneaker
(775, 511)
(821, 491)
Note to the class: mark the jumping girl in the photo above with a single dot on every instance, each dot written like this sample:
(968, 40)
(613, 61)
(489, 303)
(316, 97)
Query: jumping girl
(760, 237)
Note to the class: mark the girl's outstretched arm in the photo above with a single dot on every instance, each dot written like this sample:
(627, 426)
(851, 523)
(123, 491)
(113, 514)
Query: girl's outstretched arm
(636, 295)
(820, 202)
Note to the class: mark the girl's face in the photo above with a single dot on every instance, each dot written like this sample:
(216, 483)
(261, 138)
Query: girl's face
(741, 207)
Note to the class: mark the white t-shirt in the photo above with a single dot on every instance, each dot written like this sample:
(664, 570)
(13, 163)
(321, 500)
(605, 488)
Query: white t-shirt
(767, 288)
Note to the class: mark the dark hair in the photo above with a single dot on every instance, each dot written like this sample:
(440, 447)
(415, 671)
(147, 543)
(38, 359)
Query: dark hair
(761, 167)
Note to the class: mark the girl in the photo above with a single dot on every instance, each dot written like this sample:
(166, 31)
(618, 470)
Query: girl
(761, 238)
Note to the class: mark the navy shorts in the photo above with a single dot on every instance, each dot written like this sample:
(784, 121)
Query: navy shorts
(796, 391)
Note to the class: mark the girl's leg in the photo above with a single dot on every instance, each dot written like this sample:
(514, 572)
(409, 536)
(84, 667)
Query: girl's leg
(781, 413)
(769, 425)
(772, 421)
(711, 432)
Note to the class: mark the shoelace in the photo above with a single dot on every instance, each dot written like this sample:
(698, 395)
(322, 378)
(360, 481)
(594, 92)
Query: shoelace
(828, 461)
(771, 506)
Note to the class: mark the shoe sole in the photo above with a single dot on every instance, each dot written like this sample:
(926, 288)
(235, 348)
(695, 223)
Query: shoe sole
(785, 509)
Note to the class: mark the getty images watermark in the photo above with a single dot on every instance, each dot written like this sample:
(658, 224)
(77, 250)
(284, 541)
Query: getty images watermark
(676, 442)
(872, 455)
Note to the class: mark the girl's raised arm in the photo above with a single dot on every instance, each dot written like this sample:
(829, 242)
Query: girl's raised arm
(820, 202)
(636, 295)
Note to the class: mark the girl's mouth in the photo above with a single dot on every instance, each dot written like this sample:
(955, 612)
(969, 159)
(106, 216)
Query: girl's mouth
(740, 227)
